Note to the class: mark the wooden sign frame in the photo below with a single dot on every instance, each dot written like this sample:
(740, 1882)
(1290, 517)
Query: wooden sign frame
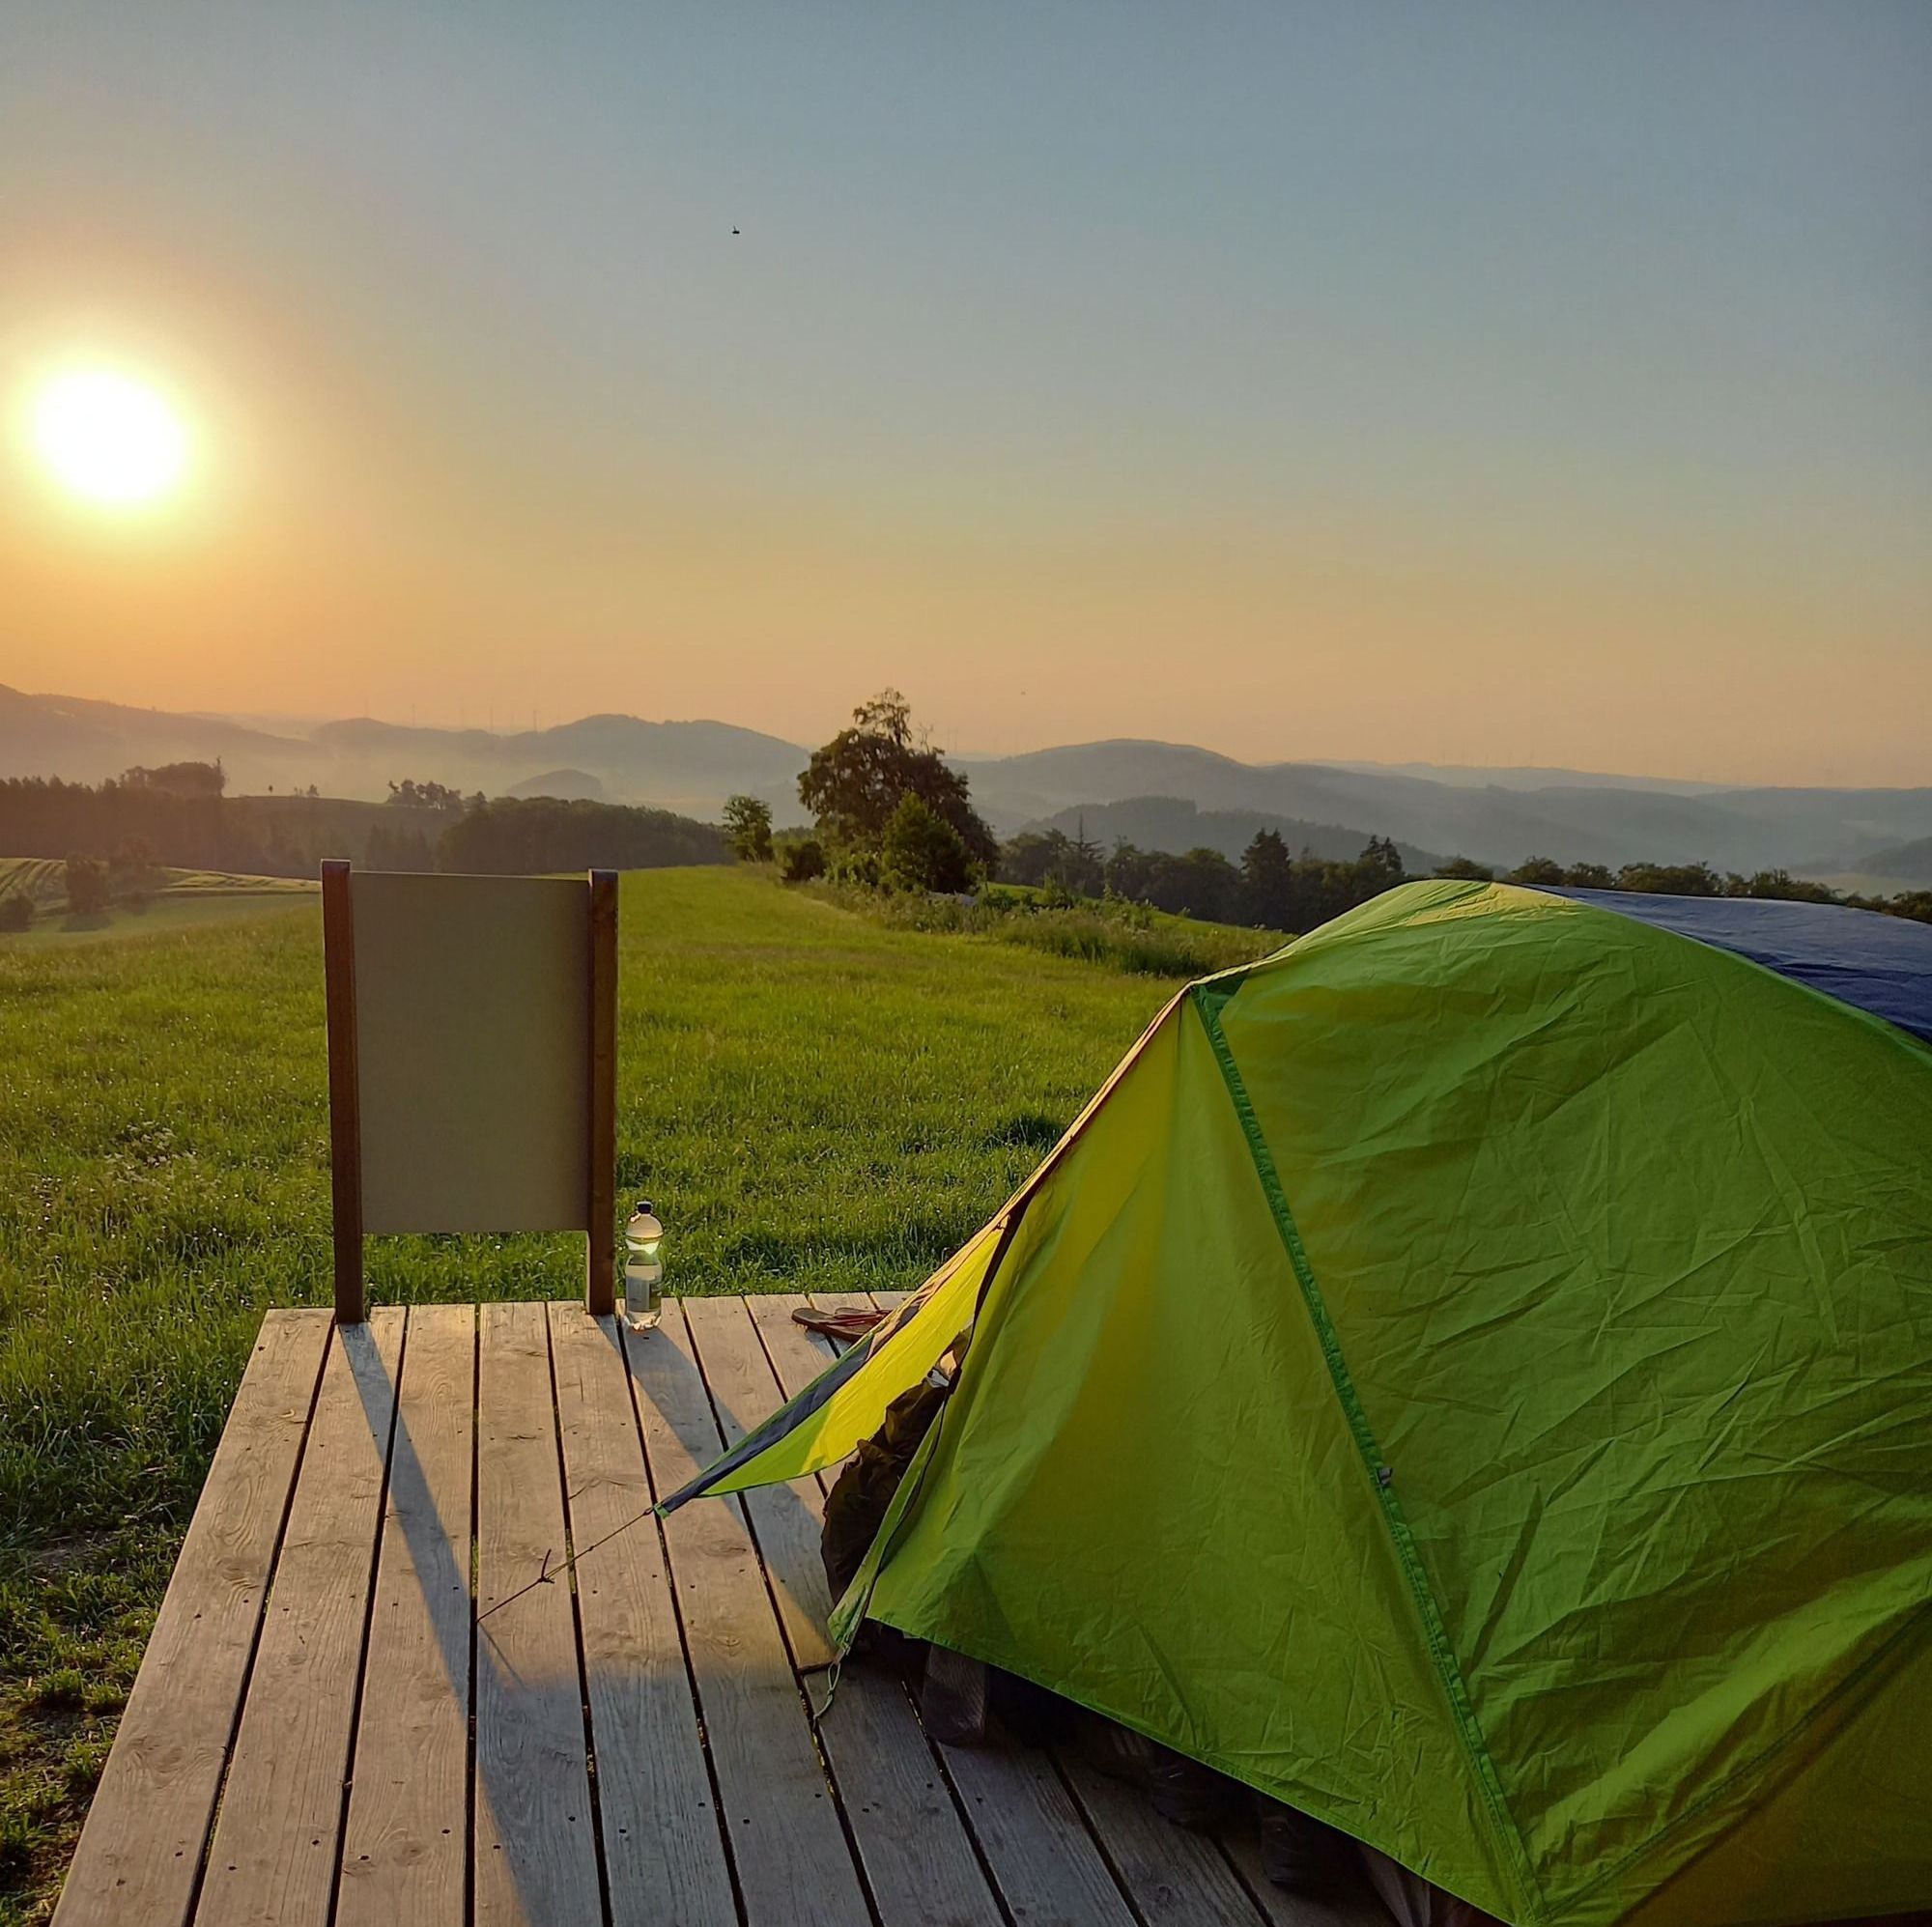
(347, 1097)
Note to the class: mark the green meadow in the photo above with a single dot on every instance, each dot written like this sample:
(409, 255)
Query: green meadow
(178, 901)
(814, 1097)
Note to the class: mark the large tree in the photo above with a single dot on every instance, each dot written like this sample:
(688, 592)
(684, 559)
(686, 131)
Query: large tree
(1032, 857)
(1267, 882)
(1380, 865)
(179, 778)
(410, 794)
(748, 829)
(855, 781)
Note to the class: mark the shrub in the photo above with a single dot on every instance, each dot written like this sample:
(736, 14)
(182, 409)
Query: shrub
(919, 849)
(133, 862)
(803, 860)
(86, 886)
(17, 912)
(854, 863)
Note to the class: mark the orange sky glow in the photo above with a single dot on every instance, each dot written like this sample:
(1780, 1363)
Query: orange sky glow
(1281, 473)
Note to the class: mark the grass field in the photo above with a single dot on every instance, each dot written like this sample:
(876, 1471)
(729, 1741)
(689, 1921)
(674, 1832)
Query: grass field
(814, 1100)
(41, 880)
(178, 901)
(1122, 936)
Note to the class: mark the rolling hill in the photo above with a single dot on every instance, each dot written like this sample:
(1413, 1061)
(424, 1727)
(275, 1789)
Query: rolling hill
(84, 740)
(1576, 819)
(1908, 863)
(1175, 823)
(1497, 816)
(688, 767)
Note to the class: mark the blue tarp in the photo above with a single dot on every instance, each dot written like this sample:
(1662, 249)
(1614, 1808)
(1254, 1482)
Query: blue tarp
(1880, 964)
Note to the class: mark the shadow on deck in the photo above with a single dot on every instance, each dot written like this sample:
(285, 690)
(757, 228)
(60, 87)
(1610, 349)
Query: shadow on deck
(378, 1690)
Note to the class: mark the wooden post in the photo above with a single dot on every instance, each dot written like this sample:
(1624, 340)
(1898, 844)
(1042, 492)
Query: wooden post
(345, 1107)
(600, 1295)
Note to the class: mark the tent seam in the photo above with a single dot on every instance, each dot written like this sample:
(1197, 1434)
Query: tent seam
(1443, 1654)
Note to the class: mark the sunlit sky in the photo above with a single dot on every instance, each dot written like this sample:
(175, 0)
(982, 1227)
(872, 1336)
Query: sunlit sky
(1475, 384)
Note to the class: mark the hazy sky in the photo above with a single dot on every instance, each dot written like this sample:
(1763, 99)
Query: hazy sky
(1543, 382)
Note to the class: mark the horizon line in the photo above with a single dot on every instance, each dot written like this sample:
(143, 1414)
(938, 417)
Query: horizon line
(259, 721)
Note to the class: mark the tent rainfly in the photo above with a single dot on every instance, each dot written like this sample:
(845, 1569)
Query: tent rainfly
(1470, 1376)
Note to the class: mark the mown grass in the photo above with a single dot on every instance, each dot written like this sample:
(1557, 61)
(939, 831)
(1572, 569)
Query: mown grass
(167, 915)
(38, 879)
(1119, 935)
(813, 1101)
(176, 899)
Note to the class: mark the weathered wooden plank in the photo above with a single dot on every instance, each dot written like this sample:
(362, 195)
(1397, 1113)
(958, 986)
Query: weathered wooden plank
(1352, 1904)
(140, 1853)
(663, 1847)
(786, 1519)
(273, 1860)
(918, 1860)
(535, 1854)
(789, 1849)
(1170, 1874)
(405, 1850)
(1034, 1839)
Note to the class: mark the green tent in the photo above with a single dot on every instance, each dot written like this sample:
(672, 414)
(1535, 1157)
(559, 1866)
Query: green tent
(1470, 1376)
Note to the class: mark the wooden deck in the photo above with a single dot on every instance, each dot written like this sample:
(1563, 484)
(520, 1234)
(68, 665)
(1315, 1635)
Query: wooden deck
(358, 1710)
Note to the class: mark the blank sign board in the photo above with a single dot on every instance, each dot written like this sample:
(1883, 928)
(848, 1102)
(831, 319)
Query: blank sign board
(472, 1047)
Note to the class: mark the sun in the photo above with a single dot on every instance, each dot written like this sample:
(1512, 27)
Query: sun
(109, 438)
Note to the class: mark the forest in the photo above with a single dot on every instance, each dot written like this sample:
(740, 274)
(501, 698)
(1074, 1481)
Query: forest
(180, 816)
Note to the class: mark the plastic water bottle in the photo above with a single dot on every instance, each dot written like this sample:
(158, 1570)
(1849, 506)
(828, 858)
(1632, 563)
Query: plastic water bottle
(643, 1272)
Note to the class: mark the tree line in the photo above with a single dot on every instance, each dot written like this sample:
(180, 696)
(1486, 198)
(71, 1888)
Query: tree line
(1691, 880)
(137, 819)
(180, 818)
(889, 813)
(1272, 890)
(533, 836)
(1269, 887)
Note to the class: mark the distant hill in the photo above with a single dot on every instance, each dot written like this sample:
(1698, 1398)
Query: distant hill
(569, 785)
(1530, 775)
(1498, 816)
(84, 741)
(687, 767)
(1910, 862)
(1174, 823)
(1577, 820)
